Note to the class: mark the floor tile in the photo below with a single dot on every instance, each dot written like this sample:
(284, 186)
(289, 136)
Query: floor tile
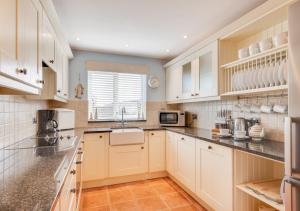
(118, 187)
(163, 189)
(102, 208)
(151, 204)
(143, 192)
(95, 200)
(185, 208)
(175, 200)
(125, 206)
(120, 196)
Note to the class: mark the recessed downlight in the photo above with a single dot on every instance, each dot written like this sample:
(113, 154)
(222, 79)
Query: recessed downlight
(185, 36)
(126, 45)
(167, 50)
(77, 38)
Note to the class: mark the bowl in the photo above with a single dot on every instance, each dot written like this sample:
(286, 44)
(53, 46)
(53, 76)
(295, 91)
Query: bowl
(265, 44)
(254, 49)
(243, 53)
(280, 39)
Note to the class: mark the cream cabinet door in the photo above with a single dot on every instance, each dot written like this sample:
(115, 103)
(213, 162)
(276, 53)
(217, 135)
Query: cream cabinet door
(95, 160)
(215, 175)
(48, 42)
(59, 70)
(157, 150)
(27, 40)
(8, 37)
(174, 84)
(171, 152)
(186, 161)
(205, 68)
(65, 77)
(127, 160)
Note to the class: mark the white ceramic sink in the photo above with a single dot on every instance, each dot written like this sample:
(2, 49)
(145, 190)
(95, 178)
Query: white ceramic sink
(126, 136)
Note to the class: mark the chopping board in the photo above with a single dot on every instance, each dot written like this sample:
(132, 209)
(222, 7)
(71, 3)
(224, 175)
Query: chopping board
(268, 188)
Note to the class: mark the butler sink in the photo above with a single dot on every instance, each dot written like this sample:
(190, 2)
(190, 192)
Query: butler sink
(126, 136)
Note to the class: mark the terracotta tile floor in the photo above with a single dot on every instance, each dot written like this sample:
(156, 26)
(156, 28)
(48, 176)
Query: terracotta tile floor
(149, 195)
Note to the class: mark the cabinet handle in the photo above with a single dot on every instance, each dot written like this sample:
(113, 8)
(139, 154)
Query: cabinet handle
(182, 138)
(79, 153)
(58, 91)
(82, 142)
(142, 147)
(24, 71)
(21, 70)
(192, 95)
(78, 162)
(51, 61)
(73, 190)
(65, 94)
(73, 172)
(197, 94)
(209, 147)
(40, 81)
(177, 97)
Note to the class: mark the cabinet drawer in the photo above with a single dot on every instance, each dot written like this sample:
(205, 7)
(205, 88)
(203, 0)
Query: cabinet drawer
(214, 147)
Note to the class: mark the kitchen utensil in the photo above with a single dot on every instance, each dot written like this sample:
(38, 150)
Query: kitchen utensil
(254, 49)
(266, 109)
(265, 44)
(243, 53)
(280, 39)
(239, 124)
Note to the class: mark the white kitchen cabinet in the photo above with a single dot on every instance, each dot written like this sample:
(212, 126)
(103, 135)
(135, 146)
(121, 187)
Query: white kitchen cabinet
(205, 71)
(187, 80)
(95, 156)
(127, 160)
(171, 152)
(186, 158)
(59, 65)
(214, 175)
(174, 84)
(8, 38)
(48, 42)
(65, 76)
(157, 150)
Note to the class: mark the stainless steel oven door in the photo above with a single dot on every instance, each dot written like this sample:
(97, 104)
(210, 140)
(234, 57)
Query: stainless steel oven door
(79, 163)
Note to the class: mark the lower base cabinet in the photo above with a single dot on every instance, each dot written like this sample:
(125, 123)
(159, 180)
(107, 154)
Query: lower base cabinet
(157, 150)
(171, 152)
(214, 175)
(127, 160)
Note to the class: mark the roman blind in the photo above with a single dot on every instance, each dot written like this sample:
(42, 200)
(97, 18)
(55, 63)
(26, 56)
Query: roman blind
(110, 92)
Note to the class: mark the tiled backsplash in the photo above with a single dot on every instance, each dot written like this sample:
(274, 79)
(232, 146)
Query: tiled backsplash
(81, 108)
(207, 113)
(16, 118)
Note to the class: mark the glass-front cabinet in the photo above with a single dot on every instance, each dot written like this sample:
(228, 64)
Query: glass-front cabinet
(187, 80)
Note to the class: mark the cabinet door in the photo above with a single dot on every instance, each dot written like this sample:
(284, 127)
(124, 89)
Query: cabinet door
(8, 37)
(157, 151)
(215, 175)
(173, 84)
(186, 158)
(205, 67)
(95, 160)
(65, 77)
(59, 70)
(27, 40)
(187, 81)
(48, 42)
(171, 152)
(127, 160)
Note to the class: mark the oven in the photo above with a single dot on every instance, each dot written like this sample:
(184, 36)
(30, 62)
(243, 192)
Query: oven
(172, 118)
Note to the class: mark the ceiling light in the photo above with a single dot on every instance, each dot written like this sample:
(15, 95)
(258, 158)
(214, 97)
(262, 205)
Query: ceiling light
(126, 45)
(77, 38)
(185, 36)
(167, 50)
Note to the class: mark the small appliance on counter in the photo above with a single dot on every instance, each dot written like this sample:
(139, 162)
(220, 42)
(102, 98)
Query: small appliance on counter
(241, 128)
(172, 118)
(53, 120)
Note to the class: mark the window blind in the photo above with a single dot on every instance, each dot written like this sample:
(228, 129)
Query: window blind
(109, 92)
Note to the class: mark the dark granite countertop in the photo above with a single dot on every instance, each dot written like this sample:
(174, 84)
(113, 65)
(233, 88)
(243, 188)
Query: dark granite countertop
(267, 148)
(28, 180)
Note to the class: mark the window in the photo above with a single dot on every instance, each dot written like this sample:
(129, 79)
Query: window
(110, 92)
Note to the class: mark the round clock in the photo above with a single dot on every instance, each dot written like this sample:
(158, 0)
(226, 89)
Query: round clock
(153, 82)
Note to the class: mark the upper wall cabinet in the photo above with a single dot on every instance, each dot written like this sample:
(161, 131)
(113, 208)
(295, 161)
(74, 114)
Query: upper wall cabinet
(196, 79)
(173, 84)
(48, 38)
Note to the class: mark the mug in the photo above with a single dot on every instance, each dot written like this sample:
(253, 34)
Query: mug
(265, 44)
(224, 132)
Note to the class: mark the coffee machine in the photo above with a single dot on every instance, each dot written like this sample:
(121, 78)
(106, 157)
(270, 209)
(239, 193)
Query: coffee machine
(46, 122)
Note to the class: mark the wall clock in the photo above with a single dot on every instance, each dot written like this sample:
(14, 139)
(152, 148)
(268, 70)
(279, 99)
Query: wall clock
(153, 82)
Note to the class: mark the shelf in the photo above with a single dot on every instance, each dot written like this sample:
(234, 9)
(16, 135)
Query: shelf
(255, 91)
(243, 187)
(256, 56)
(196, 99)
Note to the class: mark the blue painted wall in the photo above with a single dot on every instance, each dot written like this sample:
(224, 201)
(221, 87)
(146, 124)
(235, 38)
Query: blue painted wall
(77, 65)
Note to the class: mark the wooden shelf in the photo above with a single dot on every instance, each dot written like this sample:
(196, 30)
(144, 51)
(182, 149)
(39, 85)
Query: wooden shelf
(256, 56)
(243, 187)
(255, 91)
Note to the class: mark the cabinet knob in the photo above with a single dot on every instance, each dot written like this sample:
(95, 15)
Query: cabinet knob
(58, 91)
(73, 190)
(40, 81)
(24, 71)
(177, 97)
(209, 147)
(142, 147)
(51, 61)
(73, 172)
(21, 70)
(192, 95)
(197, 94)
(152, 134)
(79, 153)
(182, 138)
(100, 136)
(65, 94)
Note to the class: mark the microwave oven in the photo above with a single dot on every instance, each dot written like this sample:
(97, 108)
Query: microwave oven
(172, 118)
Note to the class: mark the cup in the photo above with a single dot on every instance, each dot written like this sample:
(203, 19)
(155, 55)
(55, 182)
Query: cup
(265, 44)
(280, 39)
(224, 132)
(254, 49)
(266, 109)
(280, 108)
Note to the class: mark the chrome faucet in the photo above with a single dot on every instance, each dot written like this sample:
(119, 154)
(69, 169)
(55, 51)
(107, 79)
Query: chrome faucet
(123, 111)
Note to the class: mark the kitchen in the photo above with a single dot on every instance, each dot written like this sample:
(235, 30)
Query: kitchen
(102, 108)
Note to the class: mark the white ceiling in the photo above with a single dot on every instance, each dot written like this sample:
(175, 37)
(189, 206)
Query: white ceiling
(145, 27)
